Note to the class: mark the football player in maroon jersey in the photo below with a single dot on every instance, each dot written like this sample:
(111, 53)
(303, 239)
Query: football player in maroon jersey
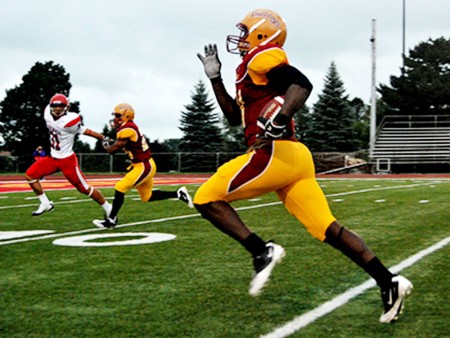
(275, 160)
(142, 169)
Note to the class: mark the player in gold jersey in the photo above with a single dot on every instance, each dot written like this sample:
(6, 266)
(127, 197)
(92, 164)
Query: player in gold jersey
(276, 161)
(143, 167)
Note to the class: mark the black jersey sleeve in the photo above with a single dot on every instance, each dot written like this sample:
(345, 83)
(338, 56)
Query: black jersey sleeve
(285, 75)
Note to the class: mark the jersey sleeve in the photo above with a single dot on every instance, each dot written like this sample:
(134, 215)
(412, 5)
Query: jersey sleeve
(74, 126)
(128, 133)
(263, 62)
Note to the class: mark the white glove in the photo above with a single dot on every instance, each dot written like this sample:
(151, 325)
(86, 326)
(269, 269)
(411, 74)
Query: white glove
(211, 61)
(106, 142)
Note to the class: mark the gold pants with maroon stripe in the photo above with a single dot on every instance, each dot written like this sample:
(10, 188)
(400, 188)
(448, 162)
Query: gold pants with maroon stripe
(139, 177)
(285, 167)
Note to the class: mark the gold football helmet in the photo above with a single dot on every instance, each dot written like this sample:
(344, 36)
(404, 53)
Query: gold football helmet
(122, 113)
(258, 28)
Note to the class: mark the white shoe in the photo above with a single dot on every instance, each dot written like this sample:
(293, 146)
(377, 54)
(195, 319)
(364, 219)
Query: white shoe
(264, 265)
(43, 208)
(393, 298)
(183, 195)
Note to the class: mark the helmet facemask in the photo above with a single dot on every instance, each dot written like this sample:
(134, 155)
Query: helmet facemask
(59, 105)
(116, 122)
(237, 44)
(122, 113)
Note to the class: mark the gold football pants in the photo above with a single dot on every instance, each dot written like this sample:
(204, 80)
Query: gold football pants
(285, 167)
(139, 177)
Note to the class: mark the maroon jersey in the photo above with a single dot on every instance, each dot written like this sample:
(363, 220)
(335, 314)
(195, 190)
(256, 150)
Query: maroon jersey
(252, 90)
(137, 147)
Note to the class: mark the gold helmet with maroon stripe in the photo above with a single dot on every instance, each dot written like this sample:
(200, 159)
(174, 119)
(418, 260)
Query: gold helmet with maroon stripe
(123, 113)
(258, 28)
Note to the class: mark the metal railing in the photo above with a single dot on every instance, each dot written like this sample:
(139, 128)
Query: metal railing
(103, 162)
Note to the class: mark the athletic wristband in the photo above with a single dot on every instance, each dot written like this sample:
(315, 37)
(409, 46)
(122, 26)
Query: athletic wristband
(216, 79)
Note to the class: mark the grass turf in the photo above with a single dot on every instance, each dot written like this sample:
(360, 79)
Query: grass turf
(196, 285)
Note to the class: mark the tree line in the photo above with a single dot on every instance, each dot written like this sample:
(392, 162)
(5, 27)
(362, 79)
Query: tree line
(335, 122)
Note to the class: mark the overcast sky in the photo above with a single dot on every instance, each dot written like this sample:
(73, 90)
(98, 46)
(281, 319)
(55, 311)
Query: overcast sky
(143, 52)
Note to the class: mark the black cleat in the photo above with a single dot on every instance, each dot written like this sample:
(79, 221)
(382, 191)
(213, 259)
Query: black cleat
(107, 223)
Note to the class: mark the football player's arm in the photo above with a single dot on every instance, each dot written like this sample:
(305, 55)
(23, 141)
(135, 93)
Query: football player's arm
(93, 134)
(296, 86)
(212, 66)
(118, 145)
(226, 103)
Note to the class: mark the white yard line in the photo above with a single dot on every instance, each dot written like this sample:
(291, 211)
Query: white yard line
(307, 318)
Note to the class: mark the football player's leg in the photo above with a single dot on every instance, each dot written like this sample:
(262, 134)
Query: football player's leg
(34, 173)
(306, 201)
(224, 217)
(111, 219)
(393, 288)
(70, 169)
(39, 169)
(121, 187)
(240, 179)
(119, 199)
(143, 174)
(237, 179)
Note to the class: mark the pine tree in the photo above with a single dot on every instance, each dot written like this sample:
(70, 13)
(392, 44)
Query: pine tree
(201, 133)
(234, 140)
(302, 121)
(332, 119)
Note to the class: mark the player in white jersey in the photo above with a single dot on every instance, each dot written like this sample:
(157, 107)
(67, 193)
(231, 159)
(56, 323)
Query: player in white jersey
(63, 126)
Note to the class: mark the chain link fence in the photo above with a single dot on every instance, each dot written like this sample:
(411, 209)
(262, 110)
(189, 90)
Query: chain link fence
(118, 163)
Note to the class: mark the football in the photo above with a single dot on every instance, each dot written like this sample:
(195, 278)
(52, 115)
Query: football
(272, 108)
(269, 111)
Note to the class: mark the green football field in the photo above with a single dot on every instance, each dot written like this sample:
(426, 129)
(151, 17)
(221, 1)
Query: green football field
(62, 277)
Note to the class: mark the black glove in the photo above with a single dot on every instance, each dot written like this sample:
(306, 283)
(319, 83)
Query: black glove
(274, 128)
(211, 61)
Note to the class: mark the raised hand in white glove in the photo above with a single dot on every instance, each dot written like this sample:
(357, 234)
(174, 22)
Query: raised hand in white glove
(211, 61)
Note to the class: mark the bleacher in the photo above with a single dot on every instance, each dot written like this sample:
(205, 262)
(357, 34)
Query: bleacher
(412, 140)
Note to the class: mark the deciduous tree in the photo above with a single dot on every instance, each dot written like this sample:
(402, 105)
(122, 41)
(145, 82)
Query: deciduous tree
(424, 85)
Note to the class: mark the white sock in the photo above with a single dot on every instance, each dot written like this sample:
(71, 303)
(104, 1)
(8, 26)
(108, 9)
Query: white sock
(106, 206)
(44, 199)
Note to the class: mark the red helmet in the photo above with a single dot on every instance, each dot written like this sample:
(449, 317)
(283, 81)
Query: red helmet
(59, 105)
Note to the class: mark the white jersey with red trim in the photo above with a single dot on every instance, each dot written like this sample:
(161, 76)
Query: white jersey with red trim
(62, 132)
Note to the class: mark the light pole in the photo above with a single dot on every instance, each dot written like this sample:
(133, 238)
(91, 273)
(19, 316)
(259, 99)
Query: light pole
(403, 35)
(373, 100)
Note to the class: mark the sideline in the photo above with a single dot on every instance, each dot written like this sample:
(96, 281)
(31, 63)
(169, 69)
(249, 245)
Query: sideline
(307, 318)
